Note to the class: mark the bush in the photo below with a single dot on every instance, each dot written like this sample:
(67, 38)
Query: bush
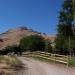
(32, 43)
(11, 49)
(9, 64)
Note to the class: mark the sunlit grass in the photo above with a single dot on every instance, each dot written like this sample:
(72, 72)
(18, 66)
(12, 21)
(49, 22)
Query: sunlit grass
(72, 61)
(10, 63)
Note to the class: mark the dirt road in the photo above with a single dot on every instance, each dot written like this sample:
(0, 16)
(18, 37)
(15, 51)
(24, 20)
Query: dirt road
(35, 67)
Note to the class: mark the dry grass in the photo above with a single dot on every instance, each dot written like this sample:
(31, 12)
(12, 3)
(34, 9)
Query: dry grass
(9, 64)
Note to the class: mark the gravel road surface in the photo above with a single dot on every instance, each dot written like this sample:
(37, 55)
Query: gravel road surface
(36, 67)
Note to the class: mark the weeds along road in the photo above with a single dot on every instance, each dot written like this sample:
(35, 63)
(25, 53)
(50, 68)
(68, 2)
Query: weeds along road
(36, 67)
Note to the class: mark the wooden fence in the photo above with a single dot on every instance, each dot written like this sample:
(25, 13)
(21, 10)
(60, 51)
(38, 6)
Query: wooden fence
(54, 57)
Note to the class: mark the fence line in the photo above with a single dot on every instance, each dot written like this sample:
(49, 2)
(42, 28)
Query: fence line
(54, 57)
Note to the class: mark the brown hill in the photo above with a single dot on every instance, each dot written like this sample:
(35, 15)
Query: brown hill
(13, 36)
(50, 38)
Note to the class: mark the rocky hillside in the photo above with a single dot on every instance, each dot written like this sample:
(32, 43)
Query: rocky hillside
(13, 36)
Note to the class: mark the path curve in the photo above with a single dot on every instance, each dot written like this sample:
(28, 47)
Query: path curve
(36, 67)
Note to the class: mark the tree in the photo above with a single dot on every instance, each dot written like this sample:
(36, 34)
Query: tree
(74, 8)
(65, 31)
(32, 43)
(61, 45)
(73, 46)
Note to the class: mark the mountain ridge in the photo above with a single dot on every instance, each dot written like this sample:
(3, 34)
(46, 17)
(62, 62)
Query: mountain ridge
(13, 36)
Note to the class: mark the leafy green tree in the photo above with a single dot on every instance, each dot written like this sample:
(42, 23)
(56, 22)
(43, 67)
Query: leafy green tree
(32, 43)
(65, 31)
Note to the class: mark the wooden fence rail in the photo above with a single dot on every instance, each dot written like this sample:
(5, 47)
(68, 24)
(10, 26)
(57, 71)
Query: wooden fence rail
(54, 57)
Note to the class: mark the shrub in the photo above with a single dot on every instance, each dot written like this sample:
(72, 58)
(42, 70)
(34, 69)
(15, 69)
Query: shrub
(32, 43)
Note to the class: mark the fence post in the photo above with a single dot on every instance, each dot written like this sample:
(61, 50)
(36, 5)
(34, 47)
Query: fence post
(54, 58)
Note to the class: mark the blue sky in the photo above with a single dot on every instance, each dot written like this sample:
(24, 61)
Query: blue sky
(40, 15)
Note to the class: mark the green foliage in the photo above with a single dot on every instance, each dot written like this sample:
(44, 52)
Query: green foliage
(65, 27)
(72, 61)
(32, 43)
(72, 46)
(74, 8)
(61, 45)
(66, 19)
(11, 49)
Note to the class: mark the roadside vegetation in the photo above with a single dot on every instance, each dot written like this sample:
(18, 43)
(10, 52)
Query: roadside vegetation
(65, 41)
(9, 64)
(72, 61)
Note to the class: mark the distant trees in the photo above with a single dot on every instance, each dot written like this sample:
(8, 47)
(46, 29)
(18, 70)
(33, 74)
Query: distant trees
(29, 43)
(32, 43)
